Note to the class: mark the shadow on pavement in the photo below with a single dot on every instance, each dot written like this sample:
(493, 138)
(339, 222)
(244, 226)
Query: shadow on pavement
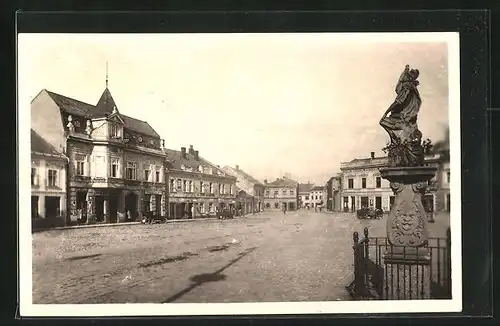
(83, 257)
(162, 261)
(216, 276)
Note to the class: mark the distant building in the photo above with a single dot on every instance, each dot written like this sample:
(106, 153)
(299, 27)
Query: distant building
(305, 194)
(48, 181)
(318, 196)
(253, 189)
(116, 162)
(281, 193)
(363, 186)
(196, 185)
(333, 187)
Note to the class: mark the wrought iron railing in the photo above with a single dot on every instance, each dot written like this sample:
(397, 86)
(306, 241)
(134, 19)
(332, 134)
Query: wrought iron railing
(374, 278)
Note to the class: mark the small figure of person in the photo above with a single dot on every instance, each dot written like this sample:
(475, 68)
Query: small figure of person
(129, 217)
(192, 211)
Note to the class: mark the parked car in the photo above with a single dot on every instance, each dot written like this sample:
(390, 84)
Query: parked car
(369, 213)
(150, 218)
(226, 214)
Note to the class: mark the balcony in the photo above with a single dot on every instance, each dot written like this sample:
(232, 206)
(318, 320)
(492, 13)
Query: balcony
(80, 178)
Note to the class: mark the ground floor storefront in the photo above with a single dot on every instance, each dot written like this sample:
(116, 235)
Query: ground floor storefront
(48, 209)
(115, 204)
(352, 202)
(281, 204)
(180, 207)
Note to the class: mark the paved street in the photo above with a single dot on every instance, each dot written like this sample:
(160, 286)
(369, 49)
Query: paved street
(267, 257)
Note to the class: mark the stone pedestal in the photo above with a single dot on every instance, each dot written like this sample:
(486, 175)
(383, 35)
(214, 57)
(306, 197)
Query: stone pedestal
(407, 257)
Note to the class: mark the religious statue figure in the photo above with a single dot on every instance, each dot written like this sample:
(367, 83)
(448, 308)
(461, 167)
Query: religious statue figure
(400, 122)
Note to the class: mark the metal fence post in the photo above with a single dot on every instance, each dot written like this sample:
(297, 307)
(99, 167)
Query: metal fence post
(357, 276)
(448, 262)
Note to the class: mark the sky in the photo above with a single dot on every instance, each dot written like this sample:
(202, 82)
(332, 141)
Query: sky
(270, 103)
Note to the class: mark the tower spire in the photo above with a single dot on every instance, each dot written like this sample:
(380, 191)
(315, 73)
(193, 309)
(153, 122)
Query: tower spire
(106, 74)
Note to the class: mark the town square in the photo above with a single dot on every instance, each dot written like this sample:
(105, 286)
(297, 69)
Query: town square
(240, 169)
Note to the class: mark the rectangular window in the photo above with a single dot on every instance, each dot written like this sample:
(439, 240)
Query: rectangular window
(185, 186)
(114, 130)
(201, 187)
(363, 183)
(33, 176)
(147, 174)
(52, 180)
(191, 186)
(292, 192)
(378, 181)
(114, 168)
(320, 197)
(131, 170)
(80, 168)
(448, 177)
(157, 176)
(316, 197)
(307, 197)
(276, 193)
(230, 189)
(285, 192)
(267, 193)
(211, 188)
(350, 183)
(179, 185)
(172, 185)
(220, 188)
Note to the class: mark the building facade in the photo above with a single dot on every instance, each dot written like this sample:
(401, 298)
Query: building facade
(116, 162)
(305, 195)
(281, 194)
(317, 196)
(253, 188)
(48, 181)
(196, 186)
(363, 186)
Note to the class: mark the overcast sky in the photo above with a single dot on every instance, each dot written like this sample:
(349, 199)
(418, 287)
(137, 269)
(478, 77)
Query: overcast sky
(271, 103)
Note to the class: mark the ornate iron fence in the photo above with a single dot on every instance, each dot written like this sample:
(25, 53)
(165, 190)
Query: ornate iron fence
(375, 279)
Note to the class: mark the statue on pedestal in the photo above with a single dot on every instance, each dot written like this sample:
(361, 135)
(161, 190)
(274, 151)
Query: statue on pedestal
(407, 221)
(400, 122)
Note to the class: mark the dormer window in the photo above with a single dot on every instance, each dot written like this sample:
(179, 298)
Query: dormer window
(114, 130)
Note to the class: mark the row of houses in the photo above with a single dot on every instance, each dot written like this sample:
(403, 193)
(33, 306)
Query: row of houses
(359, 184)
(93, 162)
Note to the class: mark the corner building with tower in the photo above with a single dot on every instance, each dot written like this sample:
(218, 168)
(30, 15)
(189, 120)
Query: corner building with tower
(116, 163)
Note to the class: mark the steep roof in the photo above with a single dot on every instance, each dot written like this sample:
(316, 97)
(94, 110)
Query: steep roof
(139, 126)
(40, 145)
(71, 105)
(305, 187)
(104, 107)
(282, 183)
(244, 175)
(105, 104)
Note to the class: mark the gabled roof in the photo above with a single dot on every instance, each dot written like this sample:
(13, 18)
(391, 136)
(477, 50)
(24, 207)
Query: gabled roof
(282, 183)
(103, 108)
(40, 145)
(317, 188)
(305, 187)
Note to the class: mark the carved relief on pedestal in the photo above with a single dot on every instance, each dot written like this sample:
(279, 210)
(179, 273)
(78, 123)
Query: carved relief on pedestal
(407, 227)
(396, 187)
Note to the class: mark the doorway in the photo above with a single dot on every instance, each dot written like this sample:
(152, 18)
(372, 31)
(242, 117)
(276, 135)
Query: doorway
(364, 202)
(34, 206)
(353, 204)
(99, 208)
(113, 208)
(378, 202)
(158, 205)
(131, 205)
(81, 204)
(52, 206)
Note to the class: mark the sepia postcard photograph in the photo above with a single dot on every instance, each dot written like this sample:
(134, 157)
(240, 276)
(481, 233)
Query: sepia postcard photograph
(239, 174)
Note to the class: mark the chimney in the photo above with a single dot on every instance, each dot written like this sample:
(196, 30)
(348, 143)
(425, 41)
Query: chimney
(183, 152)
(191, 150)
(372, 155)
(197, 155)
(237, 167)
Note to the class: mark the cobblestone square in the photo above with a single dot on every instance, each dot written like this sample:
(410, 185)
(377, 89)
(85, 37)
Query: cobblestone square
(300, 256)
